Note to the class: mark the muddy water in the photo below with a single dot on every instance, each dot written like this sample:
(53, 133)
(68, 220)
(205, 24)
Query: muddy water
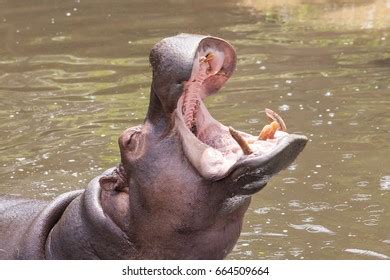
(74, 74)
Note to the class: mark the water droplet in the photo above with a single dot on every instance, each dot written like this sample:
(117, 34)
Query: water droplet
(360, 197)
(328, 93)
(253, 121)
(385, 183)
(263, 210)
(341, 207)
(292, 166)
(284, 107)
(347, 156)
(318, 186)
(295, 251)
(290, 180)
(362, 184)
(316, 122)
(308, 220)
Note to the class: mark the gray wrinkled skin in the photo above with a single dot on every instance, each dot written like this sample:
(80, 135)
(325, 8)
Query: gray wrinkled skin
(155, 204)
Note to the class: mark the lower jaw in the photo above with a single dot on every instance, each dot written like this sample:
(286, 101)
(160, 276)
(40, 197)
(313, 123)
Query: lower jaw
(215, 154)
(207, 160)
(216, 135)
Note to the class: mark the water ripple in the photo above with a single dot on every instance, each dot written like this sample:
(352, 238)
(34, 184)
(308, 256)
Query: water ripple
(312, 206)
(384, 183)
(367, 253)
(361, 197)
(312, 228)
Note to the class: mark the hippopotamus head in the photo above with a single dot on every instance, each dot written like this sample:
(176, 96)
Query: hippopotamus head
(184, 183)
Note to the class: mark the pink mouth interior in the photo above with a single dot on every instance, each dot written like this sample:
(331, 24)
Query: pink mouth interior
(206, 139)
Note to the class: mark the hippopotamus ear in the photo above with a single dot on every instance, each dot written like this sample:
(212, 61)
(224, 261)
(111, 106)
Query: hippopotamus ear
(116, 181)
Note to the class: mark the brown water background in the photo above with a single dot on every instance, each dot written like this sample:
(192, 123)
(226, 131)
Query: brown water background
(75, 74)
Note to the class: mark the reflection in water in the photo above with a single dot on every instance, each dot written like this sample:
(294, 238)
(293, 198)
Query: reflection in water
(385, 183)
(312, 228)
(368, 253)
(76, 74)
(345, 14)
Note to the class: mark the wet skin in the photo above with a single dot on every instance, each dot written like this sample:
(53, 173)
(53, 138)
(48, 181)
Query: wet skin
(183, 184)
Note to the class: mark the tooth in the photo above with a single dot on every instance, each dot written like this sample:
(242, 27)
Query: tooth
(240, 141)
(275, 117)
(264, 133)
(268, 131)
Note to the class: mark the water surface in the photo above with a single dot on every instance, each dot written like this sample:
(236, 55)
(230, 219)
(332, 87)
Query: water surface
(75, 74)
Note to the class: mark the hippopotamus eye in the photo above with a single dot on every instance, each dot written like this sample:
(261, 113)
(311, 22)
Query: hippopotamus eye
(179, 82)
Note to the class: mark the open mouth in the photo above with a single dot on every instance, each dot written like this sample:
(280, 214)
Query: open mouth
(216, 150)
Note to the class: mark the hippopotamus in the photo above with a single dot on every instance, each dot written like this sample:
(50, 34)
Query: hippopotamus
(183, 183)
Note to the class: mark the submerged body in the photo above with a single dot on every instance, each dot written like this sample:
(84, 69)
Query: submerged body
(182, 186)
